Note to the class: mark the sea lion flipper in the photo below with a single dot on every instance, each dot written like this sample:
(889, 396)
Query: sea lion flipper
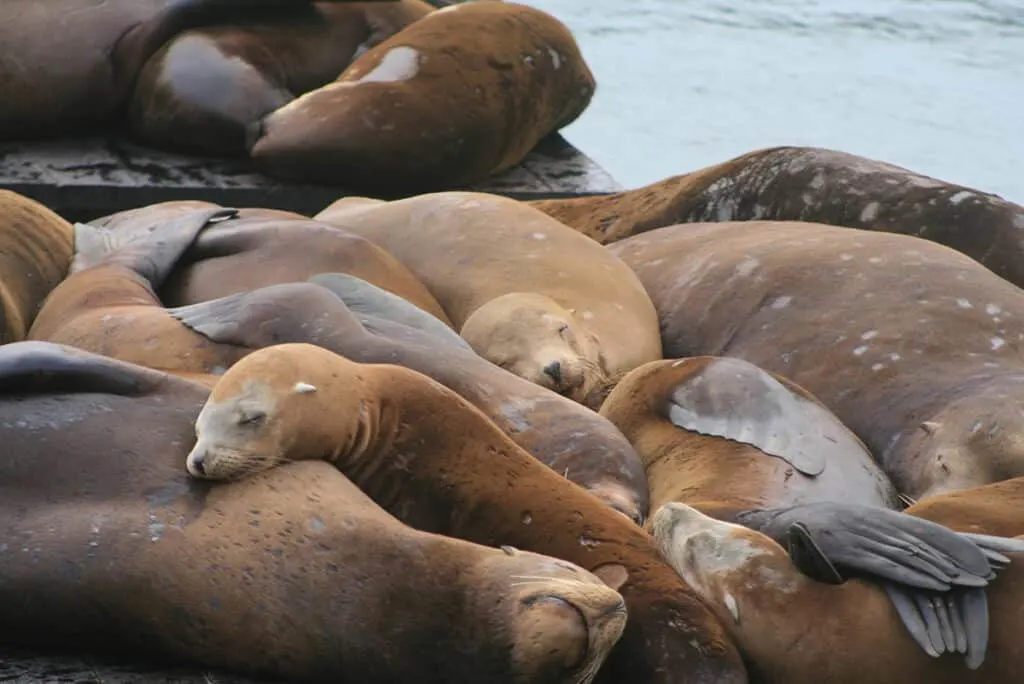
(737, 400)
(973, 607)
(911, 617)
(994, 547)
(92, 243)
(44, 366)
(882, 543)
(808, 556)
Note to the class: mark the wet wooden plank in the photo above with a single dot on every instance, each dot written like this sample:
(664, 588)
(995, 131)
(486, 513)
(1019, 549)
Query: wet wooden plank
(86, 178)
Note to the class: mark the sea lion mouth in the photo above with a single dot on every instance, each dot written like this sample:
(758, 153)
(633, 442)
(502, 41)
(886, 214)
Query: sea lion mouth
(220, 462)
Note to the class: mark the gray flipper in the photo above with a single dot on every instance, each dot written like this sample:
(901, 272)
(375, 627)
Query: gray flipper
(368, 302)
(737, 400)
(47, 367)
(153, 254)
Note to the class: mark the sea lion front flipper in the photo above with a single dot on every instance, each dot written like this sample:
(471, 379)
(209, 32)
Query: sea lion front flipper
(48, 367)
(737, 400)
(808, 556)
(878, 542)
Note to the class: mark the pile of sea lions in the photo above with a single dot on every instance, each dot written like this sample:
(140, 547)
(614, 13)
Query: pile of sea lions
(761, 422)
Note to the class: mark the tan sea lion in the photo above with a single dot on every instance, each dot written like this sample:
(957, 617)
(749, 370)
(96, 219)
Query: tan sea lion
(812, 184)
(36, 248)
(433, 460)
(526, 292)
(794, 630)
(989, 509)
(204, 88)
(913, 345)
(746, 446)
(68, 66)
(294, 575)
(462, 94)
(262, 247)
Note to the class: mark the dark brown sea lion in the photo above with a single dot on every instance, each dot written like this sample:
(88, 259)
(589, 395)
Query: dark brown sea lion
(747, 446)
(428, 456)
(528, 293)
(262, 247)
(573, 440)
(36, 248)
(296, 574)
(110, 307)
(794, 630)
(205, 88)
(914, 346)
(68, 66)
(458, 96)
(812, 184)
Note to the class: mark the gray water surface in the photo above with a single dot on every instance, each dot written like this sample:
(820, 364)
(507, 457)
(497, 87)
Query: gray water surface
(936, 86)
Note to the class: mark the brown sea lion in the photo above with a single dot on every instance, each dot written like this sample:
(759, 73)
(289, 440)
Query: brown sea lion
(794, 630)
(110, 307)
(913, 345)
(574, 441)
(296, 574)
(205, 88)
(989, 509)
(462, 94)
(36, 248)
(68, 66)
(747, 446)
(812, 184)
(433, 460)
(526, 292)
(262, 247)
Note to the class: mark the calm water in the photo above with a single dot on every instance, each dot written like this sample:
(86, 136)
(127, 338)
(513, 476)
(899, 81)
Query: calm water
(933, 85)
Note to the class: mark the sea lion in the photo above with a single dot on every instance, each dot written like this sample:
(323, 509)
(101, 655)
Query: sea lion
(36, 248)
(569, 438)
(110, 307)
(526, 292)
(812, 184)
(794, 630)
(265, 247)
(429, 457)
(370, 303)
(911, 344)
(989, 509)
(68, 66)
(295, 575)
(460, 95)
(747, 446)
(206, 87)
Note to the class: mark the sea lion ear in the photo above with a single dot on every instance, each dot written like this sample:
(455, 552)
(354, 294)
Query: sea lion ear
(303, 388)
(612, 574)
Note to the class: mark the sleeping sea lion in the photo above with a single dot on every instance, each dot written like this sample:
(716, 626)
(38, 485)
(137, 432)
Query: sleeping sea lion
(293, 575)
(36, 247)
(913, 345)
(460, 95)
(425, 454)
(526, 292)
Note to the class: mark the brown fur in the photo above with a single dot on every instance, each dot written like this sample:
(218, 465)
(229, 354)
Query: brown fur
(490, 260)
(179, 99)
(266, 247)
(294, 575)
(812, 184)
(913, 345)
(722, 477)
(794, 630)
(36, 248)
(425, 454)
(996, 508)
(485, 91)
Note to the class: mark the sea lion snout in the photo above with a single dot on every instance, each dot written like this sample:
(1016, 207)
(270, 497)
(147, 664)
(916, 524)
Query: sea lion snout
(554, 371)
(195, 463)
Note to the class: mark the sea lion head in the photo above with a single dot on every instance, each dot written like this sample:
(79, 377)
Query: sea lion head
(745, 576)
(271, 408)
(535, 338)
(562, 620)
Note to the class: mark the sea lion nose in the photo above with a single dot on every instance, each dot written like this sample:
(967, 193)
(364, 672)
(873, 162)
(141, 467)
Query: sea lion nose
(554, 371)
(196, 463)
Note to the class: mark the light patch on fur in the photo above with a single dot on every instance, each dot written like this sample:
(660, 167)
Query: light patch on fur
(870, 212)
(734, 608)
(303, 388)
(959, 197)
(399, 64)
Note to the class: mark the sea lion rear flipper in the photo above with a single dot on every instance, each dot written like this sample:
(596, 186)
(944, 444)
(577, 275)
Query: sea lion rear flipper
(93, 243)
(737, 400)
(911, 617)
(47, 367)
(900, 548)
(994, 547)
